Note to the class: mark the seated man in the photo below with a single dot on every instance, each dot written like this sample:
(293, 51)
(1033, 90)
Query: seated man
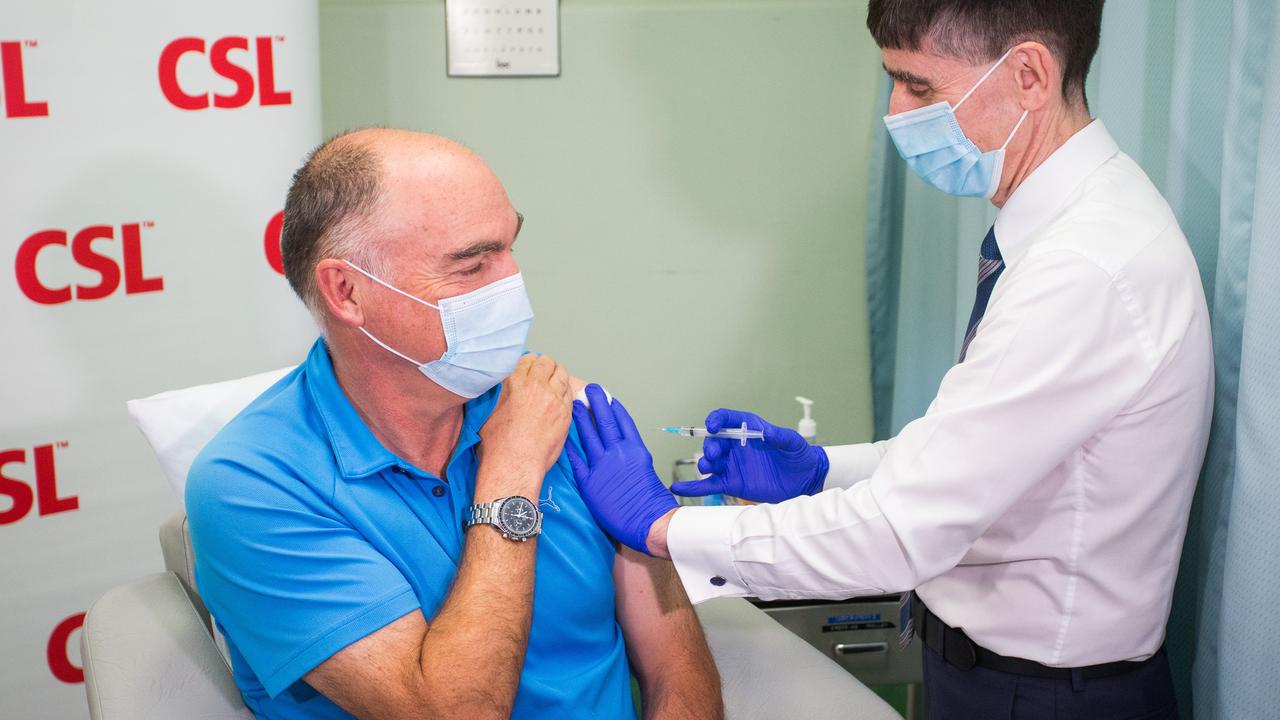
(388, 537)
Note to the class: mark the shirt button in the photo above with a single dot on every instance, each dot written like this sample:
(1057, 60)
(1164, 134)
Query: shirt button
(437, 491)
(717, 581)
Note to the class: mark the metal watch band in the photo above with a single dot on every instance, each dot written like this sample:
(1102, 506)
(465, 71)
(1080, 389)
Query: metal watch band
(483, 514)
(487, 514)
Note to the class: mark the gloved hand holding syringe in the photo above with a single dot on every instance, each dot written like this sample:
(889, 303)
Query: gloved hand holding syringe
(779, 465)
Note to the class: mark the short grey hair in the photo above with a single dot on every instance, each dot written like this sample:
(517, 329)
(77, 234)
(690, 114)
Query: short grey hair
(328, 214)
(980, 31)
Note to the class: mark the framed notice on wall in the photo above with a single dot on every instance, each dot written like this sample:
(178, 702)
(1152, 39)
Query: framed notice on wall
(496, 38)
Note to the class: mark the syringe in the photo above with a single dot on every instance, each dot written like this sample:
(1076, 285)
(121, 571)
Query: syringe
(741, 434)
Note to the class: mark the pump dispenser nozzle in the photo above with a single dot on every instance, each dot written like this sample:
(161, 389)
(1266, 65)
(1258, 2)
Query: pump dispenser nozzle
(807, 427)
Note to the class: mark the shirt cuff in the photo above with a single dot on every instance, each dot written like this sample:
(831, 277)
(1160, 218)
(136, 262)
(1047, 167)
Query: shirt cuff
(851, 464)
(699, 539)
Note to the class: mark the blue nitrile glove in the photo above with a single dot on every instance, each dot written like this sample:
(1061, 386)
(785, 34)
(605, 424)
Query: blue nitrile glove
(782, 466)
(616, 479)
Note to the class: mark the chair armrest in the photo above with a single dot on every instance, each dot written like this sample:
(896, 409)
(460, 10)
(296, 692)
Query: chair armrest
(767, 672)
(146, 653)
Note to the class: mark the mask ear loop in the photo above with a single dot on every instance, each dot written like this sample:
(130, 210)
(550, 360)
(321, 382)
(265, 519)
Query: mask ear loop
(391, 287)
(982, 79)
(387, 285)
(1022, 119)
(387, 347)
(995, 180)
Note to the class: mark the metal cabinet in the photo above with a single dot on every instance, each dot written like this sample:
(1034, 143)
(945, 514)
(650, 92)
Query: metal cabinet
(861, 634)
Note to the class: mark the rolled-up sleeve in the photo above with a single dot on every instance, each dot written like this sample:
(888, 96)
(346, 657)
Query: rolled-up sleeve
(1061, 351)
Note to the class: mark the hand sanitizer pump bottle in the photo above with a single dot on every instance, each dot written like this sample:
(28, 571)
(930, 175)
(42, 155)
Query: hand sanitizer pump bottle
(807, 427)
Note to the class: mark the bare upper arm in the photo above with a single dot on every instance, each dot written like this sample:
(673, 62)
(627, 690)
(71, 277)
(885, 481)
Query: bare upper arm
(378, 675)
(656, 617)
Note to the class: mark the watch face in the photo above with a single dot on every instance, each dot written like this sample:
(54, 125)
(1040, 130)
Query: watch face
(518, 517)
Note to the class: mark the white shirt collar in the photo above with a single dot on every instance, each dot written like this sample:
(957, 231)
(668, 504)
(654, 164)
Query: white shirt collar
(1046, 189)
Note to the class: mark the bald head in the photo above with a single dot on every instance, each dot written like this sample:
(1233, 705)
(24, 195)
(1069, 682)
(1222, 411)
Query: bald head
(368, 195)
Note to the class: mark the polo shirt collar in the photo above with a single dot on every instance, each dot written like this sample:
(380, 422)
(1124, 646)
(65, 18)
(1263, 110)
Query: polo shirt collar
(356, 450)
(1046, 190)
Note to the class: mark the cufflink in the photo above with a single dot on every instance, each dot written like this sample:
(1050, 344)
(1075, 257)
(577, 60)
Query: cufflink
(717, 581)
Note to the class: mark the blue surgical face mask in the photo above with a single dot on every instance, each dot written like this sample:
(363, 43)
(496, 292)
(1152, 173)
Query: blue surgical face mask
(934, 146)
(484, 330)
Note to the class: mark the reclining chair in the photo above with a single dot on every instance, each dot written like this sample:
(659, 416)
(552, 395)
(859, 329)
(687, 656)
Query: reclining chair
(149, 651)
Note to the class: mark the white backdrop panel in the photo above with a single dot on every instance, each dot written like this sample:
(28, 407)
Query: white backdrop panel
(153, 278)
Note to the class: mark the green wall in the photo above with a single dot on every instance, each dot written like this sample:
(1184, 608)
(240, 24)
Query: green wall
(694, 185)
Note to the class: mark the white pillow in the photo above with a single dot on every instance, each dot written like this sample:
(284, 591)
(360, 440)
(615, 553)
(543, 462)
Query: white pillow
(179, 423)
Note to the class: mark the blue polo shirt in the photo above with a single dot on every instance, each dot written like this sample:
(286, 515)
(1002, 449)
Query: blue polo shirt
(309, 535)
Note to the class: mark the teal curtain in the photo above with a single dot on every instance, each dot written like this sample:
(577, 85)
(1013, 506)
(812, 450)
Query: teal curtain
(1191, 90)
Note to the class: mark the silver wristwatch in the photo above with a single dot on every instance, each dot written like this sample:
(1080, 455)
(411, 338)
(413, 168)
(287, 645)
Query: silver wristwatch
(517, 518)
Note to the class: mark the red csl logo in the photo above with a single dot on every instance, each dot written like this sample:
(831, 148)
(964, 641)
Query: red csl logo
(87, 256)
(40, 495)
(222, 62)
(14, 82)
(271, 242)
(56, 653)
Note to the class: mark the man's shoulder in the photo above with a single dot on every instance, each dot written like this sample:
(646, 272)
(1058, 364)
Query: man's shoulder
(1116, 216)
(276, 442)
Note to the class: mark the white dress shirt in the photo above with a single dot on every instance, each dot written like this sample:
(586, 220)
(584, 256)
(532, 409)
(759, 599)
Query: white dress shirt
(1041, 502)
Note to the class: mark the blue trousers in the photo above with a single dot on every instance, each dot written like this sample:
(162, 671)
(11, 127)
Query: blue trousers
(1145, 693)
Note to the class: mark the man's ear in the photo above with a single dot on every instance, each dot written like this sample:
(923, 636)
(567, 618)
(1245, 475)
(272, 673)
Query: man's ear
(1038, 74)
(335, 284)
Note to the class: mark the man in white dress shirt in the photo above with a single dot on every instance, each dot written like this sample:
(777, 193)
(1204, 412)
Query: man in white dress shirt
(1038, 508)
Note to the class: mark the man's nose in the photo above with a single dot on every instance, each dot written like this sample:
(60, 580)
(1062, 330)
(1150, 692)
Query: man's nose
(507, 265)
(900, 100)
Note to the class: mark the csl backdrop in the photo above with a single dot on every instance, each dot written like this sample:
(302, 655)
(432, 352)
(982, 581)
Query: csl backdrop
(145, 150)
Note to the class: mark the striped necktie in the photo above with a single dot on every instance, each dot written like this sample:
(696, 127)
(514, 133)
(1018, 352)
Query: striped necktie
(990, 265)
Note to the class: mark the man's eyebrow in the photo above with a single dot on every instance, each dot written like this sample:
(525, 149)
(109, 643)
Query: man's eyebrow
(485, 247)
(903, 76)
(476, 250)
